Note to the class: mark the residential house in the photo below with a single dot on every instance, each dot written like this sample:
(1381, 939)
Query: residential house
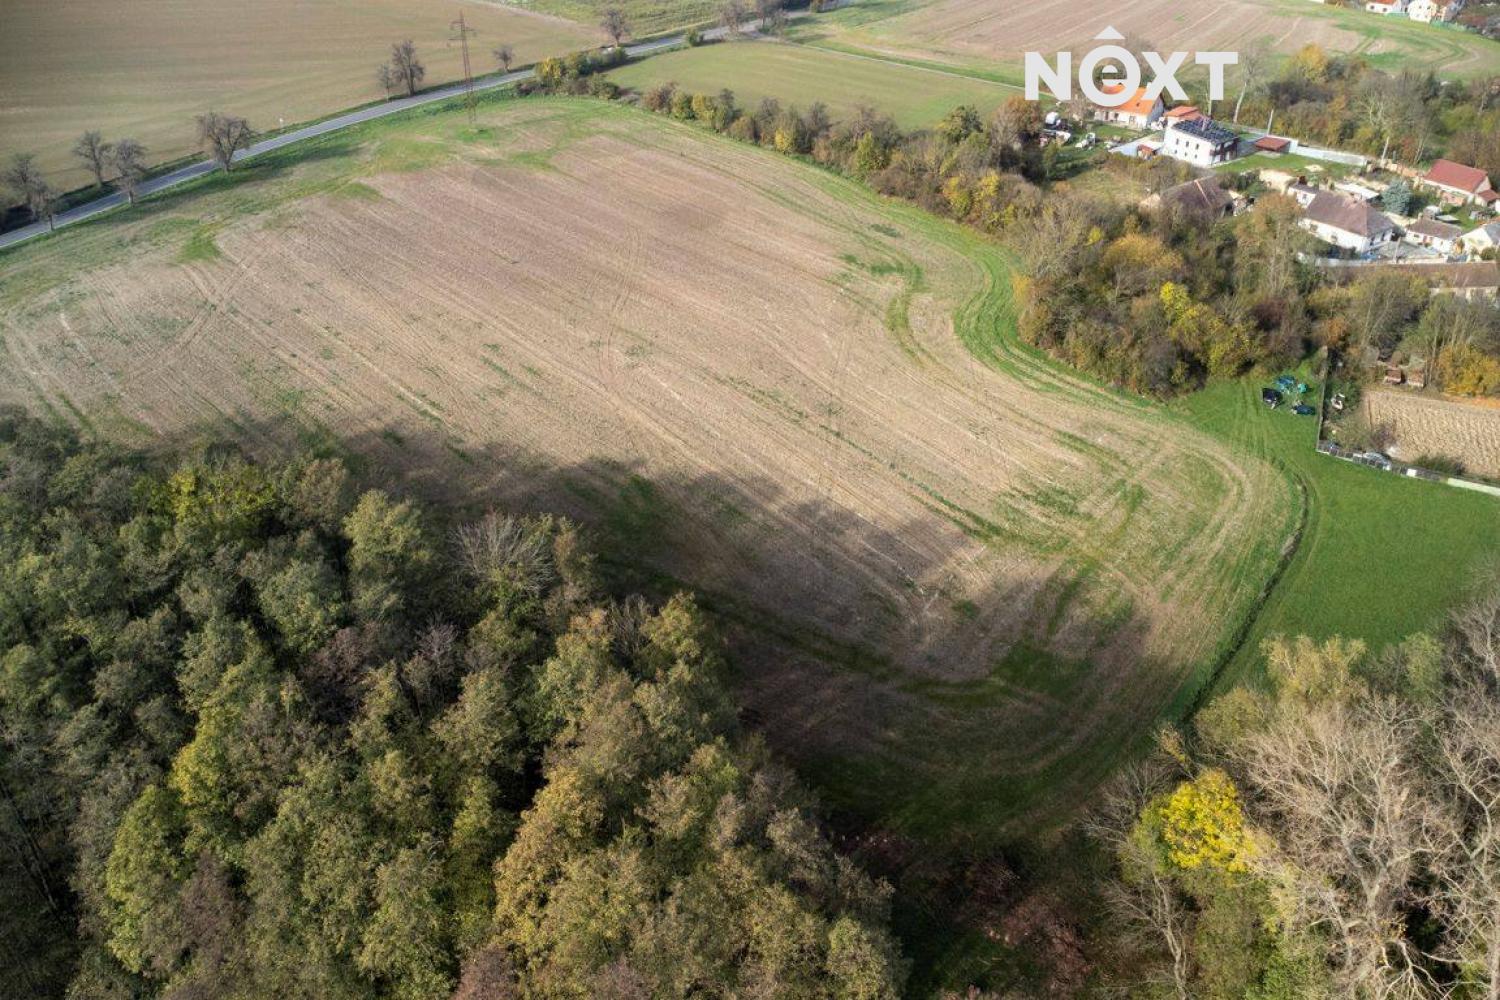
(1440, 236)
(1175, 116)
(1477, 241)
(1200, 141)
(1474, 280)
(1425, 11)
(1137, 112)
(1347, 223)
(1386, 6)
(1456, 183)
(1302, 192)
(1202, 198)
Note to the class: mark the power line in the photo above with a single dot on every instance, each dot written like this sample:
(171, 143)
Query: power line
(464, 31)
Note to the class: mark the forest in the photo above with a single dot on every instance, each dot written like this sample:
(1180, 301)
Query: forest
(267, 734)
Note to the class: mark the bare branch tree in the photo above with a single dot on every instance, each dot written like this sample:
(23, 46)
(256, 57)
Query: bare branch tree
(386, 77)
(505, 55)
(1254, 63)
(1355, 822)
(614, 24)
(1469, 762)
(772, 16)
(28, 184)
(223, 136)
(732, 17)
(509, 551)
(406, 66)
(1144, 898)
(94, 152)
(128, 160)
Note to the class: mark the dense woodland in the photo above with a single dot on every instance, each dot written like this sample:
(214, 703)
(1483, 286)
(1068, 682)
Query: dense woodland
(265, 735)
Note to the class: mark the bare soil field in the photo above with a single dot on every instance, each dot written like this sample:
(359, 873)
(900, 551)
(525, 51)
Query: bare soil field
(971, 580)
(143, 68)
(1430, 425)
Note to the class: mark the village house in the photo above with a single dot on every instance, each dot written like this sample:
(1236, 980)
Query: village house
(1137, 112)
(1439, 236)
(1386, 6)
(1428, 11)
(1200, 141)
(1177, 115)
(1347, 223)
(1302, 192)
(1459, 184)
(1477, 241)
(1202, 198)
(1474, 280)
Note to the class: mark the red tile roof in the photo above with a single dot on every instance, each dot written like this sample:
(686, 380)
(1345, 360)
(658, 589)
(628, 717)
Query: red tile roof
(1187, 112)
(1456, 175)
(1137, 105)
(1272, 143)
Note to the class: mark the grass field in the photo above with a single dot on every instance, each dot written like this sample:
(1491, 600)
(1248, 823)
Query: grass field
(798, 75)
(989, 38)
(1381, 556)
(145, 67)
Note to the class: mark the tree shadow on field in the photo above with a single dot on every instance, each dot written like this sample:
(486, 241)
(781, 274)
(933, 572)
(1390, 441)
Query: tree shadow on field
(929, 775)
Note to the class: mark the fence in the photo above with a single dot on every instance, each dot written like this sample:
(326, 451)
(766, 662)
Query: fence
(1375, 460)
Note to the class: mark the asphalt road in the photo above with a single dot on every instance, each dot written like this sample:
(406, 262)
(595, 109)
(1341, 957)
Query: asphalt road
(90, 209)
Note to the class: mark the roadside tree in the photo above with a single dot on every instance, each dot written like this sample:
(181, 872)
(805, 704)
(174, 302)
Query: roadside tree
(30, 187)
(128, 159)
(406, 66)
(223, 136)
(94, 152)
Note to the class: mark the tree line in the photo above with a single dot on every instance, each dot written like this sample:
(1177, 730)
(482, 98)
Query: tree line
(266, 733)
(1331, 832)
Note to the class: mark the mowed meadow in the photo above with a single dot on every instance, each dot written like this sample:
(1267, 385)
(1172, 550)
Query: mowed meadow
(144, 68)
(798, 75)
(964, 582)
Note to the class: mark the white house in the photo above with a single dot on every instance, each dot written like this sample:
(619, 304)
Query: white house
(1428, 11)
(1440, 236)
(1302, 193)
(1199, 141)
(1137, 111)
(1386, 6)
(1347, 223)
(1486, 237)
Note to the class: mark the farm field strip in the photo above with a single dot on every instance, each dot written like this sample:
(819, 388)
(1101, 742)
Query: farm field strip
(144, 68)
(989, 39)
(533, 314)
(799, 74)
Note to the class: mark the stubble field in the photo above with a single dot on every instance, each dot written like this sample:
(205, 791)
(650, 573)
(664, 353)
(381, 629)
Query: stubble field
(987, 37)
(967, 582)
(144, 68)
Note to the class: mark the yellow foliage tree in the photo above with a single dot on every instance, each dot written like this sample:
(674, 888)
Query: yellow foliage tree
(1203, 825)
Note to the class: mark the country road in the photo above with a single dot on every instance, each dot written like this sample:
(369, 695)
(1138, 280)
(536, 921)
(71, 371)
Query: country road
(98, 206)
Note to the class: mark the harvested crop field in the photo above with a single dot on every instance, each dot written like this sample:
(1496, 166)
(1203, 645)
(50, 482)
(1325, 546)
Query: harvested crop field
(760, 380)
(144, 68)
(967, 30)
(1430, 425)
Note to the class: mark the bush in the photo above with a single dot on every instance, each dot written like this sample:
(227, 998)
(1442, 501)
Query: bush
(694, 38)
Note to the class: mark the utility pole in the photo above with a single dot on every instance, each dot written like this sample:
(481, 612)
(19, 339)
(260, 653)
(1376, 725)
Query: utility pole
(464, 31)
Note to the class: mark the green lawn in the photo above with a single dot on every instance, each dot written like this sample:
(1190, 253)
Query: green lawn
(1381, 556)
(799, 75)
